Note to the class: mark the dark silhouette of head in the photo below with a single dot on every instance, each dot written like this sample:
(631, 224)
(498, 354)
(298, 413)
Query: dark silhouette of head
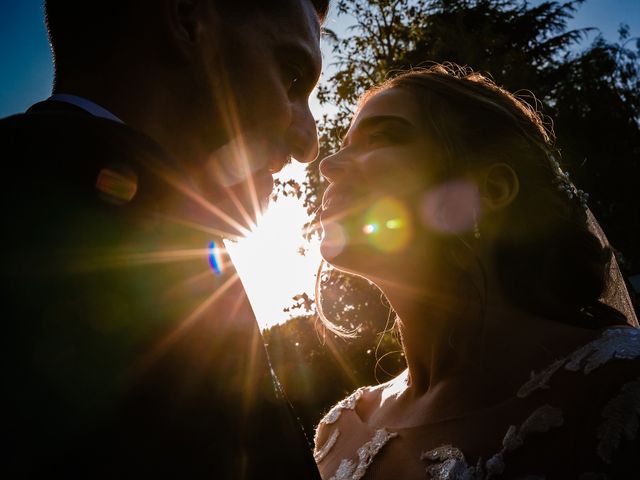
(197, 75)
(84, 35)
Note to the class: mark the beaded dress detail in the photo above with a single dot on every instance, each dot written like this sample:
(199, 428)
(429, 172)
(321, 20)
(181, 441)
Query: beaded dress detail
(348, 470)
(619, 422)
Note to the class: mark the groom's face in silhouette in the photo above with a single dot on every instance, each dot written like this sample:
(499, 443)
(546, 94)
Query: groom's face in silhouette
(258, 67)
(265, 64)
(223, 85)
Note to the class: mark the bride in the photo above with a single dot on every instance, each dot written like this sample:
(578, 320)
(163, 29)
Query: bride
(523, 356)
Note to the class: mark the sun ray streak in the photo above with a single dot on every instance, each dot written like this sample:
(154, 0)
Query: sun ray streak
(185, 324)
(183, 188)
(250, 387)
(243, 211)
(90, 262)
(233, 127)
(202, 228)
(356, 207)
(192, 280)
(347, 369)
(246, 167)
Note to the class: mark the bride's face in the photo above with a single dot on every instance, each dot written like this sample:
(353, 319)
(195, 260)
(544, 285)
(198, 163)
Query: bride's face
(386, 201)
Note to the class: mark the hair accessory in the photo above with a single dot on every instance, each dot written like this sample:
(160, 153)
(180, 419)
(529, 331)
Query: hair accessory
(564, 184)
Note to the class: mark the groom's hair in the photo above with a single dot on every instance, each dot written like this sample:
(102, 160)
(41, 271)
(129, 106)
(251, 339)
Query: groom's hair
(85, 34)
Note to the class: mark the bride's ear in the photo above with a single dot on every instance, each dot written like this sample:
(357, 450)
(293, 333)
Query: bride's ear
(499, 186)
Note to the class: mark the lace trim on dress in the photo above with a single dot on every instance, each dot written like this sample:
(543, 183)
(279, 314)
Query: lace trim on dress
(621, 417)
(540, 380)
(322, 452)
(453, 465)
(614, 343)
(348, 470)
(348, 403)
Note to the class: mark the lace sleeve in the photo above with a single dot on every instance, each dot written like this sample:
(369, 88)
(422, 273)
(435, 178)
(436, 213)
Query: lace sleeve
(324, 440)
(617, 433)
(611, 433)
(327, 432)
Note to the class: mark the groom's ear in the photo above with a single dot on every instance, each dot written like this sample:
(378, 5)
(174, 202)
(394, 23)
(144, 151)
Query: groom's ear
(499, 186)
(189, 23)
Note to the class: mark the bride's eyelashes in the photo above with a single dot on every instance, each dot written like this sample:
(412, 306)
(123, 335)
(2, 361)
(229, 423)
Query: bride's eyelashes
(379, 131)
(385, 137)
(380, 138)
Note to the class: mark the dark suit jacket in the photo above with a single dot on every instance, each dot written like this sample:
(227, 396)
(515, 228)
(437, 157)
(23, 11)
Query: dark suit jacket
(124, 354)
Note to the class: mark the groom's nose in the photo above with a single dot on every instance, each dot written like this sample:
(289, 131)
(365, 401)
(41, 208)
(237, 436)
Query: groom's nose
(302, 136)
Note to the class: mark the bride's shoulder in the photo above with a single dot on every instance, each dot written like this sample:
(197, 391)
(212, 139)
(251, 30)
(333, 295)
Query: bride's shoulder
(610, 358)
(596, 388)
(608, 369)
(360, 404)
(609, 366)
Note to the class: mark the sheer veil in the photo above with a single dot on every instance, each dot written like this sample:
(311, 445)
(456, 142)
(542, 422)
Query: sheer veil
(616, 295)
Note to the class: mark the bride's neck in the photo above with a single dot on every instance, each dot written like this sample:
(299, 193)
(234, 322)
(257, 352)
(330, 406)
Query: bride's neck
(475, 338)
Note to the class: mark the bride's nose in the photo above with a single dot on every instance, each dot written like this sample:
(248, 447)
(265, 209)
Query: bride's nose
(334, 166)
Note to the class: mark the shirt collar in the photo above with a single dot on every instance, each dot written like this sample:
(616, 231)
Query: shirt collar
(85, 104)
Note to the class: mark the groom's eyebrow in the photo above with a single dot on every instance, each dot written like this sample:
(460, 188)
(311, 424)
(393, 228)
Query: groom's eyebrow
(370, 123)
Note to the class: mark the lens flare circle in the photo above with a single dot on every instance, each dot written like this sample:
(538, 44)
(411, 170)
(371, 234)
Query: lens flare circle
(215, 258)
(388, 225)
(452, 207)
(117, 184)
(334, 240)
(369, 229)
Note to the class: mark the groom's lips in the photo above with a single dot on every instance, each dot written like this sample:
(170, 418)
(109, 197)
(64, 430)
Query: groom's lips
(278, 162)
(263, 183)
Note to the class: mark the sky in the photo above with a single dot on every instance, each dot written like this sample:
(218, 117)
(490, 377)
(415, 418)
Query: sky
(271, 279)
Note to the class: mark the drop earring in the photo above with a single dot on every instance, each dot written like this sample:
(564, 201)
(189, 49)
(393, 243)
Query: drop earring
(476, 228)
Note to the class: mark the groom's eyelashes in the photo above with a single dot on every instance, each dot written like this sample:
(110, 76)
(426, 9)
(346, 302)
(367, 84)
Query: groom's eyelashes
(293, 76)
(298, 68)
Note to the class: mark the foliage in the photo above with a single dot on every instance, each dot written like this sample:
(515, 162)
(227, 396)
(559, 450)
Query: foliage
(317, 368)
(597, 117)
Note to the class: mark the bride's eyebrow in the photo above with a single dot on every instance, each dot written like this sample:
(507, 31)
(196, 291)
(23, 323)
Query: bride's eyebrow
(375, 121)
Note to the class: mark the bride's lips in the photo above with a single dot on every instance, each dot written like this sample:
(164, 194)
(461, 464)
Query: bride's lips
(335, 197)
(341, 201)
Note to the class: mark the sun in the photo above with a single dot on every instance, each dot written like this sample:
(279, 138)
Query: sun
(268, 260)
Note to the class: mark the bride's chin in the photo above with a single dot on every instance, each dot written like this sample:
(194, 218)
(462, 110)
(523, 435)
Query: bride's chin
(334, 240)
(344, 250)
(343, 257)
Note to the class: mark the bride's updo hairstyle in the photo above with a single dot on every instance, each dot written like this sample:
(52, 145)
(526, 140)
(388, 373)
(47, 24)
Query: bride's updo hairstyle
(548, 260)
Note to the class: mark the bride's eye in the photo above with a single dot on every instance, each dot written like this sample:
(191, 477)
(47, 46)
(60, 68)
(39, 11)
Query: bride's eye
(379, 138)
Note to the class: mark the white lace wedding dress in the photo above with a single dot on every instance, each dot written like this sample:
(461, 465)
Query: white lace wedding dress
(581, 419)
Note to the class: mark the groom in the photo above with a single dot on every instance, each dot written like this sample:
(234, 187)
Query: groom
(129, 346)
